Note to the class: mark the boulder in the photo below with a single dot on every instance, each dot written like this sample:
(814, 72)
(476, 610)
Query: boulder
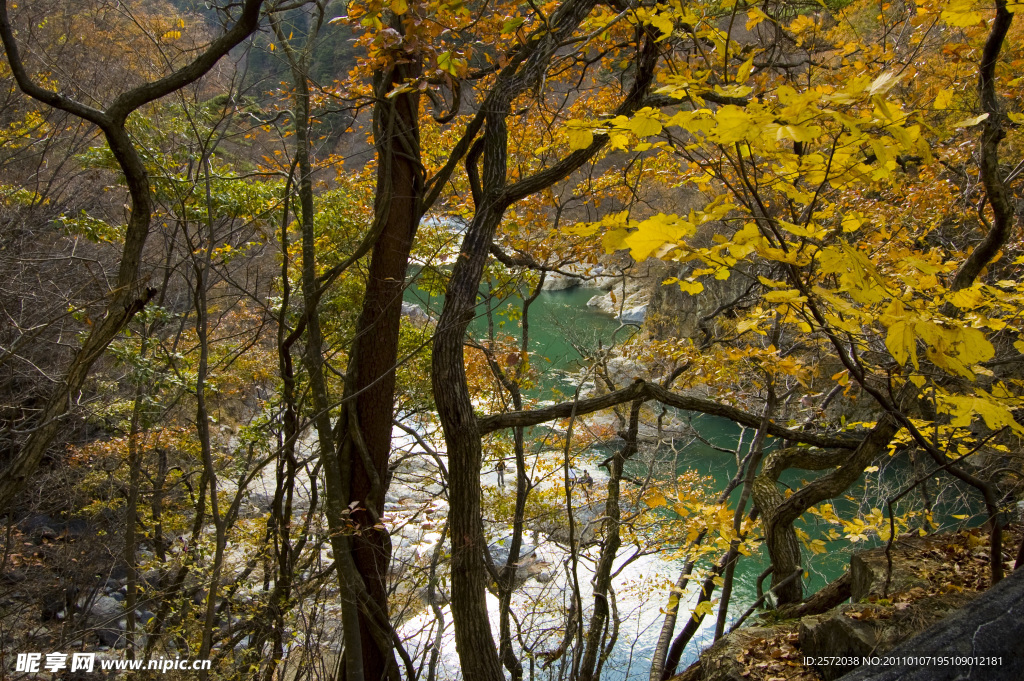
(499, 551)
(624, 370)
(560, 282)
(858, 630)
(634, 315)
(601, 283)
(985, 634)
(414, 313)
(587, 519)
(868, 569)
(851, 630)
(106, 614)
(113, 637)
(675, 313)
(105, 608)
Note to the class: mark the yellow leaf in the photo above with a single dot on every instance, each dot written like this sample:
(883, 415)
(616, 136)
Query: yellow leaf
(582, 229)
(943, 99)
(618, 140)
(580, 138)
(967, 298)
(797, 133)
(973, 346)
(703, 609)
(749, 325)
(733, 124)
(755, 17)
(901, 342)
(883, 83)
(663, 23)
(643, 125)
(655, 499)
(655, 232)
(399, 6)
(448, 62)
(971, 122)
(961, 13)
(801, 24)
(744, 71)
(792, 295)
(991, 410)
(691, 287)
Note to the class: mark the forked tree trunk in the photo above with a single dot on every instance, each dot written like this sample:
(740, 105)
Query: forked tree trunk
(492, 195)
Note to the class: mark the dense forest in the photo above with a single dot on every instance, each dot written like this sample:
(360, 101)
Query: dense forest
(557, 339)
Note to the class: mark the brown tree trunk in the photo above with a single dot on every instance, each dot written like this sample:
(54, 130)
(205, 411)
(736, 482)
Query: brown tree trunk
(365, 427)
(473, 639)
(612, 541)
(778, 514)
(492, 195)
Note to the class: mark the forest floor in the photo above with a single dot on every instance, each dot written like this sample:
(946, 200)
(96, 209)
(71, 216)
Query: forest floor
(941, 573)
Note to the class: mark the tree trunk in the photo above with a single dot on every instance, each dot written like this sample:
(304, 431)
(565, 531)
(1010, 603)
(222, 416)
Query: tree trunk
(473, 639)
(612, 541)
(492, 195)
(365, 427)
(778, 514)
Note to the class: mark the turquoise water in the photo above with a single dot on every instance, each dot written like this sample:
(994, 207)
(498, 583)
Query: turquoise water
(561, 325)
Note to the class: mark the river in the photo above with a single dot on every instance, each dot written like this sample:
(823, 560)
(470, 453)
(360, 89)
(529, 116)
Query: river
(560, 321)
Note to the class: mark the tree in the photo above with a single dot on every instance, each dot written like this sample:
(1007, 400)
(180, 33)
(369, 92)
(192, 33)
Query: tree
(797, 166)
(833, 254)
(129, 295)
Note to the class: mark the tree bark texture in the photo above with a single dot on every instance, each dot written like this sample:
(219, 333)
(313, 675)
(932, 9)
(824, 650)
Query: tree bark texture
(365, 427)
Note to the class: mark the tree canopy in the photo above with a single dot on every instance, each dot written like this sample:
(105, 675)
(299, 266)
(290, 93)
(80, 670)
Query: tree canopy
(272, 273)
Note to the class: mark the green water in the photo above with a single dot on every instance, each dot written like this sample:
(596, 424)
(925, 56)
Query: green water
(560, 325)
(720, 467)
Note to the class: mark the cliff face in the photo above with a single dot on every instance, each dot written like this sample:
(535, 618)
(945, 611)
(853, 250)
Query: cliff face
(673, 313)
